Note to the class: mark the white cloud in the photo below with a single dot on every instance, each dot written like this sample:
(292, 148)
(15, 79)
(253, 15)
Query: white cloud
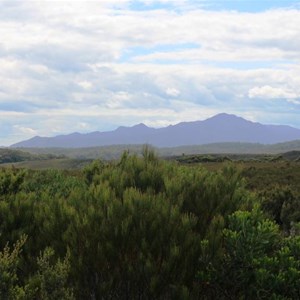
(26, 130)
(83, 31)
(85, 84)
(64, 64)
(172, 92)
(83, 126)
(268, 92)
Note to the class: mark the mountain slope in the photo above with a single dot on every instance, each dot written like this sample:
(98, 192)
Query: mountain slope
(218, 129)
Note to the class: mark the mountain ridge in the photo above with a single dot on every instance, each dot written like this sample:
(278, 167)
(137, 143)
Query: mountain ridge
(216, 129)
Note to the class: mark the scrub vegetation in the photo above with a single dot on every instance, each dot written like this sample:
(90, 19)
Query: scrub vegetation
(145, 228)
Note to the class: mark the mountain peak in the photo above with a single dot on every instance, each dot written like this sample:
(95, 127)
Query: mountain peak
(224, 116)
(140, 125)
(137, 126)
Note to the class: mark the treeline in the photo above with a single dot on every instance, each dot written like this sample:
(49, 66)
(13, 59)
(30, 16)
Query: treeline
(143, 228)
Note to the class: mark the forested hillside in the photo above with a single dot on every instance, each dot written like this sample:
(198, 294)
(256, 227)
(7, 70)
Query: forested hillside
(144, 228)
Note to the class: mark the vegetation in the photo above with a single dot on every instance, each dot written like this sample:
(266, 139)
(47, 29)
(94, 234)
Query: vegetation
(115, 151)
(57, 163)
(145, 228)
(12, 156)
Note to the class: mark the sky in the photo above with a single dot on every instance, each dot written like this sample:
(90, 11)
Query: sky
(83, 66)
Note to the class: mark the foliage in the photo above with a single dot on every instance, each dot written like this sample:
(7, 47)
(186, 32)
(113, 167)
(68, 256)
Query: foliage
(257, 263)
(9, 283)
(51, 279)
(47, 283)
(282, 205)
(10, 181)
(144, 228)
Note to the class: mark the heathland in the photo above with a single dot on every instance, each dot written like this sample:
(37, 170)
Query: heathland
(143, 227)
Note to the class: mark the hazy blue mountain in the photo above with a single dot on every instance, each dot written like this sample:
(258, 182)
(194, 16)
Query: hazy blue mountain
(218, 129)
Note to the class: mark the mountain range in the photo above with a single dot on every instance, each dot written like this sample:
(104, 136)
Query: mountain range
(217, 129)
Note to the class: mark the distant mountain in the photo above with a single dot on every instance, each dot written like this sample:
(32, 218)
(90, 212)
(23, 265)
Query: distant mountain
(218, 129)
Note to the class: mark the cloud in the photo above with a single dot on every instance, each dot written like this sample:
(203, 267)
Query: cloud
(172, 92)
(268, 92)
(86, 85)
(94, 65)
(68, 35)
(25, 130)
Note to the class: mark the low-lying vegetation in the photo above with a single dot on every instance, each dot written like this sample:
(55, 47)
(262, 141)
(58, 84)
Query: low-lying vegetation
(13, 156)
(145, 228)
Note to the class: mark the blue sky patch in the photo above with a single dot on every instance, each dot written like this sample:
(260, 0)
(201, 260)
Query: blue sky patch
(130, 53)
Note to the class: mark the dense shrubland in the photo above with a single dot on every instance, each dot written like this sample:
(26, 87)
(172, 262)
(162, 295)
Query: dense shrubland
(143, 228)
